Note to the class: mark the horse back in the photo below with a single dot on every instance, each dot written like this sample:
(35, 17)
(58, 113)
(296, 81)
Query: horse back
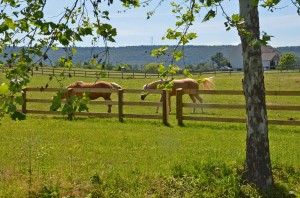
(184, 84)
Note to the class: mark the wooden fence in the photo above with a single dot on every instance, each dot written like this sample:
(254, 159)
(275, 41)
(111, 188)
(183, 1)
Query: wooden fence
(92, 73)
(180, 105)
(120, 102)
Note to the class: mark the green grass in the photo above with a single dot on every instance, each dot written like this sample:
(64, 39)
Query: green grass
(48, 156)
(273, 80)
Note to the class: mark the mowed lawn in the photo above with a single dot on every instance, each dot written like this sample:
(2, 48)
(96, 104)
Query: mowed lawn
(49, 156)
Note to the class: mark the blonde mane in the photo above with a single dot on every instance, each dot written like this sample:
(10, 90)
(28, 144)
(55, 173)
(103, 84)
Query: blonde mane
(115, 85)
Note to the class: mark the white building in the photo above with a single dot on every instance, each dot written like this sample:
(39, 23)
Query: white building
(270, 57)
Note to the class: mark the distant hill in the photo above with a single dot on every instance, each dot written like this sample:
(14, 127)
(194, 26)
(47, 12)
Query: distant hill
(294, 50)
(141, 55)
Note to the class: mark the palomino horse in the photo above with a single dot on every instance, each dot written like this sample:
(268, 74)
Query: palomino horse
(187, 83)
(93, 96)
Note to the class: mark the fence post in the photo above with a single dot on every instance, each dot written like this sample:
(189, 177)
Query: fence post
(165, 106)
(120, 104)
(122, 75)
(74, 73)
(53, 71)
(24, 105)
(69, 102)
(179, 112)
(133, 74)
(84, 73)
(146, 74)
(42, 71)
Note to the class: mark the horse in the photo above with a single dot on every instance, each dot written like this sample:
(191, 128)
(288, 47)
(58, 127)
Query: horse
(187, 83)
(93, 96)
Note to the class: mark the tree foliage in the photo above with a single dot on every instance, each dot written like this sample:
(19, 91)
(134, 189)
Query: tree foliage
(287, 61)
(151, 67)
(219, 59)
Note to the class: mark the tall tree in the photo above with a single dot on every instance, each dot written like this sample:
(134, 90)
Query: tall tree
(258, 165)
(257, 169)
(287, 61)
(219, 59)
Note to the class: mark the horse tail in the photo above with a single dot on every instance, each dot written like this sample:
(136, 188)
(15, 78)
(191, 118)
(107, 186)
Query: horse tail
(115, 85)
(208, 83)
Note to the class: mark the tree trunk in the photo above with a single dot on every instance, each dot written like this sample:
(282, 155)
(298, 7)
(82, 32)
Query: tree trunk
(258, 169)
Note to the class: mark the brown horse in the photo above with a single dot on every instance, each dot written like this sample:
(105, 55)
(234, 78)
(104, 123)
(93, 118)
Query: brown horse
(187, 83)
(93, 96)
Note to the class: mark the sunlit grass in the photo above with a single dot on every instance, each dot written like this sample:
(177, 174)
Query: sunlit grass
(47, 155)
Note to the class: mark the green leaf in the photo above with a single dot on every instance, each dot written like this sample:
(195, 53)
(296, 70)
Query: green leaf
(56, 101)
(178, 55)
(211, 14)
(187, 73)
(10, 23)
(19, 100)
(208, 3)
(67, 109)
(38, 14)
(83, 107)
(74, 51)
(18, 116)
(162, 69)
(4, 89)
(63, 40)
(88, 31)
(54, 48)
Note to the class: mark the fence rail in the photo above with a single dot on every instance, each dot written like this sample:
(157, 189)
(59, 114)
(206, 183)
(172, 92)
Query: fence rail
(180, 105)
(120, 103)
(92, 73)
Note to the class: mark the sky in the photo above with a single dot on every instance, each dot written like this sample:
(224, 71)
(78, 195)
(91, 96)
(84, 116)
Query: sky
(134, 29)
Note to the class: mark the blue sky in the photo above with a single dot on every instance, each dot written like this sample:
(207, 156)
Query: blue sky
(134, 29)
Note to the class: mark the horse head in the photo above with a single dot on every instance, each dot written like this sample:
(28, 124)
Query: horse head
(144, 94)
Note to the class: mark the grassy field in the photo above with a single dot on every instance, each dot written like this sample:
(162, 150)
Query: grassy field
(48, 156)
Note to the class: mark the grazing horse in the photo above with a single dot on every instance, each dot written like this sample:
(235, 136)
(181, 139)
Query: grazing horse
(93, 96)
(187, 83)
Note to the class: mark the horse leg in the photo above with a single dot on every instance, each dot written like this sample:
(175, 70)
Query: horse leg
(109, 106)
(194, 101)
(161, 99)
(200, 100)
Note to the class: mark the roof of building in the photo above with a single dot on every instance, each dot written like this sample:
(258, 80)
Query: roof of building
(268, 56)
(268, 53)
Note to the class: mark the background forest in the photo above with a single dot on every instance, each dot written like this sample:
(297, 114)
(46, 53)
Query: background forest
(139, 56)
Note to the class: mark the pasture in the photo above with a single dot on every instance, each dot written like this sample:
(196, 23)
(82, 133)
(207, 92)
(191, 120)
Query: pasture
(49, 156)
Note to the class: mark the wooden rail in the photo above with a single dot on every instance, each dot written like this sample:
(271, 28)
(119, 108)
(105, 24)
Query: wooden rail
(120, 103)
(180, 105)
(93, 73)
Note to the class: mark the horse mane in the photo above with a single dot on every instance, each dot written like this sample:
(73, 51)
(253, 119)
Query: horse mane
(115, 85)
(149, 85)
(75, 83)
(208, 83)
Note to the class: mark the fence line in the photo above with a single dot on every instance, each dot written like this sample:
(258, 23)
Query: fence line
(164, 104)
(180, 105)
(122, 74)
(120, 103)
